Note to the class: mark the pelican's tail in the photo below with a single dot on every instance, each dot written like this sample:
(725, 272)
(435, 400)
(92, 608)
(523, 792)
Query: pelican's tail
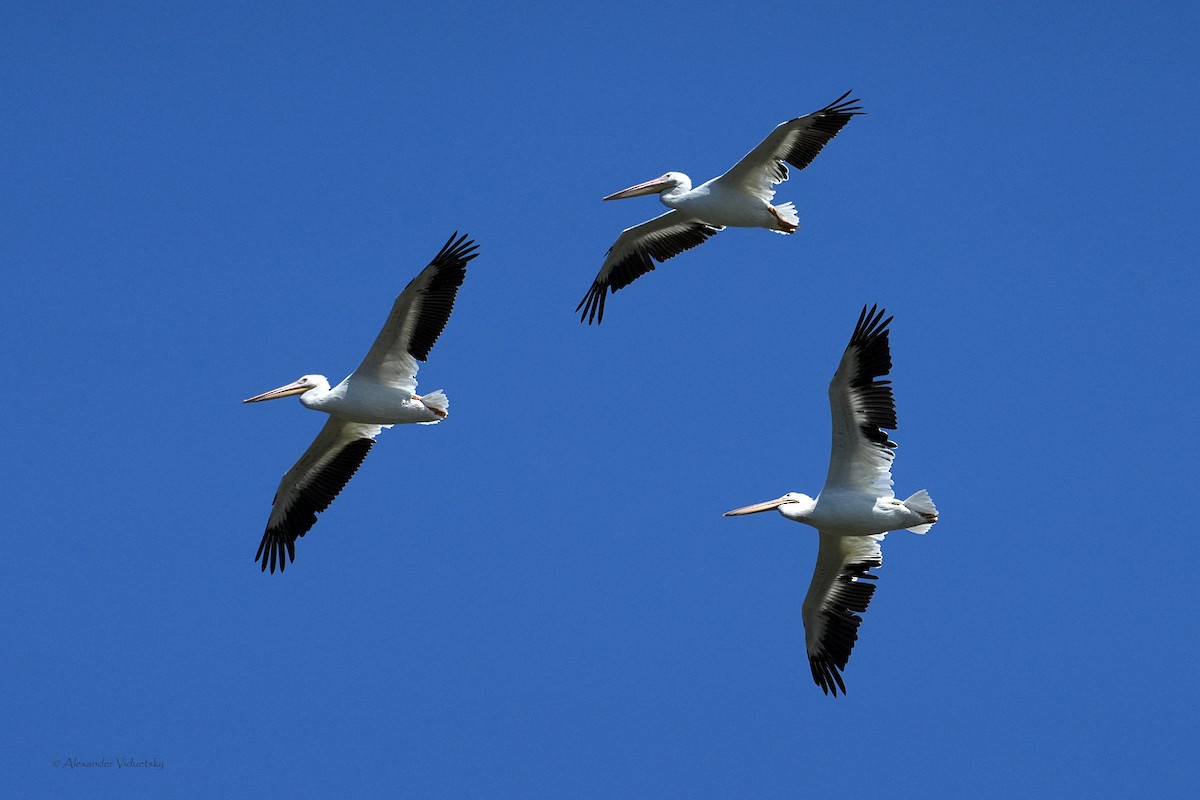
(785, 218)
(922, 503)
(437, 402)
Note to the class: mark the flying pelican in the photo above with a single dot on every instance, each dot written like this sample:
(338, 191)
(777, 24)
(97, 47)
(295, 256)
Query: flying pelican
(382, 392)
(857, 507)
(740, 198)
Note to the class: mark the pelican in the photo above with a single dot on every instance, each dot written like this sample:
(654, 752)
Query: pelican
(856, 508)
(741, 198)
(381, 393)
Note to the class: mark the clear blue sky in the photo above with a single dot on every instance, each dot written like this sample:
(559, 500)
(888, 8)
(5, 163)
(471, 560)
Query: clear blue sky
(539, 597)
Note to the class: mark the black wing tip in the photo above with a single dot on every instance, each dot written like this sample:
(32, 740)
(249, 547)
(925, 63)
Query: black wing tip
(871, 326)
(871, 338)
(271, 549)
(844, 106)
(827, 675)
(593, 304)
(457, 248)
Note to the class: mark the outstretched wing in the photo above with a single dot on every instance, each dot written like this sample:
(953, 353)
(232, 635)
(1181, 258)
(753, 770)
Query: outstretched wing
(310, 486)
(634, 254)
(861, 454)
(418, 317)
(839, 592)
(796, 142)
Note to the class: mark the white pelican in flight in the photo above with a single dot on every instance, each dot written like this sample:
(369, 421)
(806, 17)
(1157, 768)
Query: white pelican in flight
(381, 393)
(856, 507)
(741, 198)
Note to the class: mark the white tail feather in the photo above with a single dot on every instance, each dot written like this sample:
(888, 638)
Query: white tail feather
(922, 503)
(437, 401)
(787, 214)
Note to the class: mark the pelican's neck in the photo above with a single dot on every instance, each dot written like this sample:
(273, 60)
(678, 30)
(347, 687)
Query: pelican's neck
(670, 197)
(800, 509)
(317, 396)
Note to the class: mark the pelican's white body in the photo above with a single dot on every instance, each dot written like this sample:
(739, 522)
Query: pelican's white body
(720, 204)
(846, 512)
(363, 400)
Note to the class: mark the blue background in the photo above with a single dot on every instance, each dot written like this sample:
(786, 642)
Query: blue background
(539, 597)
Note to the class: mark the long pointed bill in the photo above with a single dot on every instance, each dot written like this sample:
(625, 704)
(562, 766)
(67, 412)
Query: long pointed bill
(754, 509)
(295, 387)
(649, 187)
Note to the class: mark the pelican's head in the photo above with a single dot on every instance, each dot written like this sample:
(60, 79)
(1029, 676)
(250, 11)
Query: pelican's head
(792, 505)
(663, 183)
(299, 386)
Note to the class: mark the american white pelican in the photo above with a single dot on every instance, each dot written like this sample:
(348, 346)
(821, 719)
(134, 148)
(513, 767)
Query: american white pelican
(741, 198)
(379, 394)
(856, 507)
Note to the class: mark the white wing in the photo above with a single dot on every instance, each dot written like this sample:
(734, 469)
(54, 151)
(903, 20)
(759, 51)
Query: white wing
(839, 592)
(636, 250)
(418, 317)
(860, 457)
(796, 142)
(310, 486)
